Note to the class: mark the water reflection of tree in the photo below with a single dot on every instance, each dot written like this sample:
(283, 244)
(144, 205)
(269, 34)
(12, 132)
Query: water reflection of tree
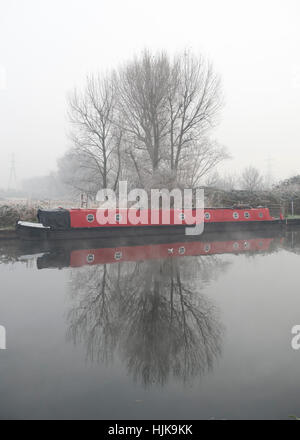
(153, 312)
(93, 319)
(292, 241)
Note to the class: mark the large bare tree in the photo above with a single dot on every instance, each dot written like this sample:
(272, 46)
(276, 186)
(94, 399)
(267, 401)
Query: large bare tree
(169, 105)
(193, 105)
(142, 99)
(96, 139)
(147, 122)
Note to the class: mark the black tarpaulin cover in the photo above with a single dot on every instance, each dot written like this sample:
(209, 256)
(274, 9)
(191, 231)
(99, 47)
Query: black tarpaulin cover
(55, 218)
(57, 259)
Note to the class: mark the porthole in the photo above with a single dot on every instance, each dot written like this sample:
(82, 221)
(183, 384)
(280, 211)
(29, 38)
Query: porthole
(181, 216)
(90, 218)
(90, 258)
(207, 216)
(118, 255)
(181, 250)
(260, 215)
(236, 215)
(207, 248)
(246, 214)
(236, 245)
(246, 245)
(118, 217)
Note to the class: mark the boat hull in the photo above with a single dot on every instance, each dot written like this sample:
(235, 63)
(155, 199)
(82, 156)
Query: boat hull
(45, 234)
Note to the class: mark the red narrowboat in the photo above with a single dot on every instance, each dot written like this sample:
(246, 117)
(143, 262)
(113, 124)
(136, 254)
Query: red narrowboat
(62, 224)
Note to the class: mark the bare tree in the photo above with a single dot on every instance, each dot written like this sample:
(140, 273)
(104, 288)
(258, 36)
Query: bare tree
(193, 105)
(96, 139)
(142, 91)
(79, 172)
(168, 108)
(148, 119)
(199, 161)
(251, 179)
(226, 182)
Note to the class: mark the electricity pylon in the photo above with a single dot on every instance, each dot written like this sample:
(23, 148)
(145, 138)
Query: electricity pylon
(12, 183)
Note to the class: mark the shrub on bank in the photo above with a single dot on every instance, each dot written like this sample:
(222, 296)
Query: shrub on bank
(10, 214)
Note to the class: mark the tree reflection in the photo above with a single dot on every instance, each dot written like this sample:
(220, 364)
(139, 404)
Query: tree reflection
(292, 241)
(94, 318)
(152, 312)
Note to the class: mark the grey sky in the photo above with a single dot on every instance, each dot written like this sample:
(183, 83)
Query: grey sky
(48, 47)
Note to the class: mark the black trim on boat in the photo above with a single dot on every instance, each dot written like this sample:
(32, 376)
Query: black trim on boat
(40, 232)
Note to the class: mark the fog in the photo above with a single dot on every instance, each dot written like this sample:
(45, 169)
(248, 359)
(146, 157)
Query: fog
(47, 48)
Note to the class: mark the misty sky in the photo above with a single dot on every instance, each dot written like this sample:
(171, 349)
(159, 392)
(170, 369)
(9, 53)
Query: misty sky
(48, 47)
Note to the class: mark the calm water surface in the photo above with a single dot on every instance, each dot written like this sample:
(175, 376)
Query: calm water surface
(164, 331)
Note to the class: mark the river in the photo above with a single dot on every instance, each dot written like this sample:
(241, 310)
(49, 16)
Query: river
(164, 330)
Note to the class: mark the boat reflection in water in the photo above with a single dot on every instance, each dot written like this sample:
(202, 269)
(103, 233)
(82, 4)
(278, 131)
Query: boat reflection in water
(77, 254)
(145, 303)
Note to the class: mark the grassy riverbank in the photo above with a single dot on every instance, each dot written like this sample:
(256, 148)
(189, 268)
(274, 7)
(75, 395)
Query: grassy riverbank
(293, 216)
(21, 209)
(10, 214)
